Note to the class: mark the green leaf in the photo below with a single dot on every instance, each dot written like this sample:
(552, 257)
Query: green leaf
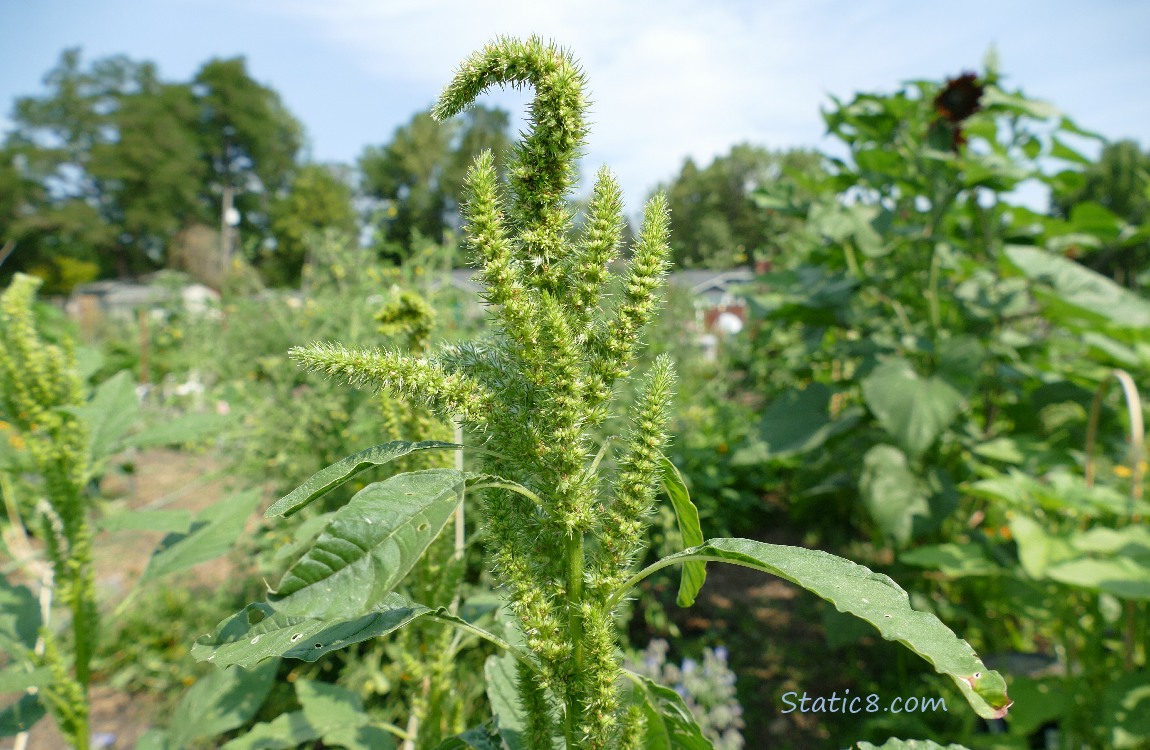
(870, 596)
(896, 498)
(21, 715)
(213, 533)
(1125, 710)
(220, 702)
(994, 98)
(259, 632)
(1037, 549)
(953, 560)
(687, 515)
(17, 678)
(1095, 219)
(504, 699)
(360, 737)
(1121, 576)
(286, 731)
(302, 539)
(670, 724)
(1037, 702)
(169, 521)
(960, 361)
(338, 714)
(19, 616)
(1078, 297)
(326, 480)
(1059, 150)
(796, 423)
(484, 737)
(110, 413)
(1072, 127)
(326, 705)
(912, 409)
(370, 545)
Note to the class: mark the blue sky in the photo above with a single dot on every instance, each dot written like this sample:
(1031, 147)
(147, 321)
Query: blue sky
(668, 78)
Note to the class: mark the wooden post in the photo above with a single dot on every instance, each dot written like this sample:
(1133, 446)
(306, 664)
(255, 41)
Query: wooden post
(142, 316)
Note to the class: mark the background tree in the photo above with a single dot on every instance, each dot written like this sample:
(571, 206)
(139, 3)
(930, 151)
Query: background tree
(1120, 182)
(717, 224)
(317, 200)
(249, 139)
(151, 177)
(104, 170)
(418, 175)
(47, 153)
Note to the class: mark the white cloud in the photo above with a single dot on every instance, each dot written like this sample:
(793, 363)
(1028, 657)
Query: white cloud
(674, 78)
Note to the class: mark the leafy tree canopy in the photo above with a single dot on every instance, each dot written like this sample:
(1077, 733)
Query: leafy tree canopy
(418, 175)
(110, 163)
(318, 199)
(717, 224)
(1119, 182)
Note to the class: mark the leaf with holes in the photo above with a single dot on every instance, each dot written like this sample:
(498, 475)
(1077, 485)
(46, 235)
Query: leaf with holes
(326, 480)
(369, 546)
(873, 597)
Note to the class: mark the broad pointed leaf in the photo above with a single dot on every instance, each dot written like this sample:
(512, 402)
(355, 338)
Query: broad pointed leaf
(687, 515)
(796, 423)
(896, 498)
(110, 413)
(338, 714)
(326, 480)
(912, 409)
(212, 534)
(258, 632)
(873, 597)
(19, 616)
(500, 672)
(953, 560)
(1079, 297)
(670, 724)
(1119, 576)
(285, 732)
(369, 546)
(220, 702)
(168, 521)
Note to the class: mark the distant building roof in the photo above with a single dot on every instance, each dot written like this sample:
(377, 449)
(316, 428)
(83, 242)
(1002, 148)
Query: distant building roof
(712, 285)
(703, 283)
